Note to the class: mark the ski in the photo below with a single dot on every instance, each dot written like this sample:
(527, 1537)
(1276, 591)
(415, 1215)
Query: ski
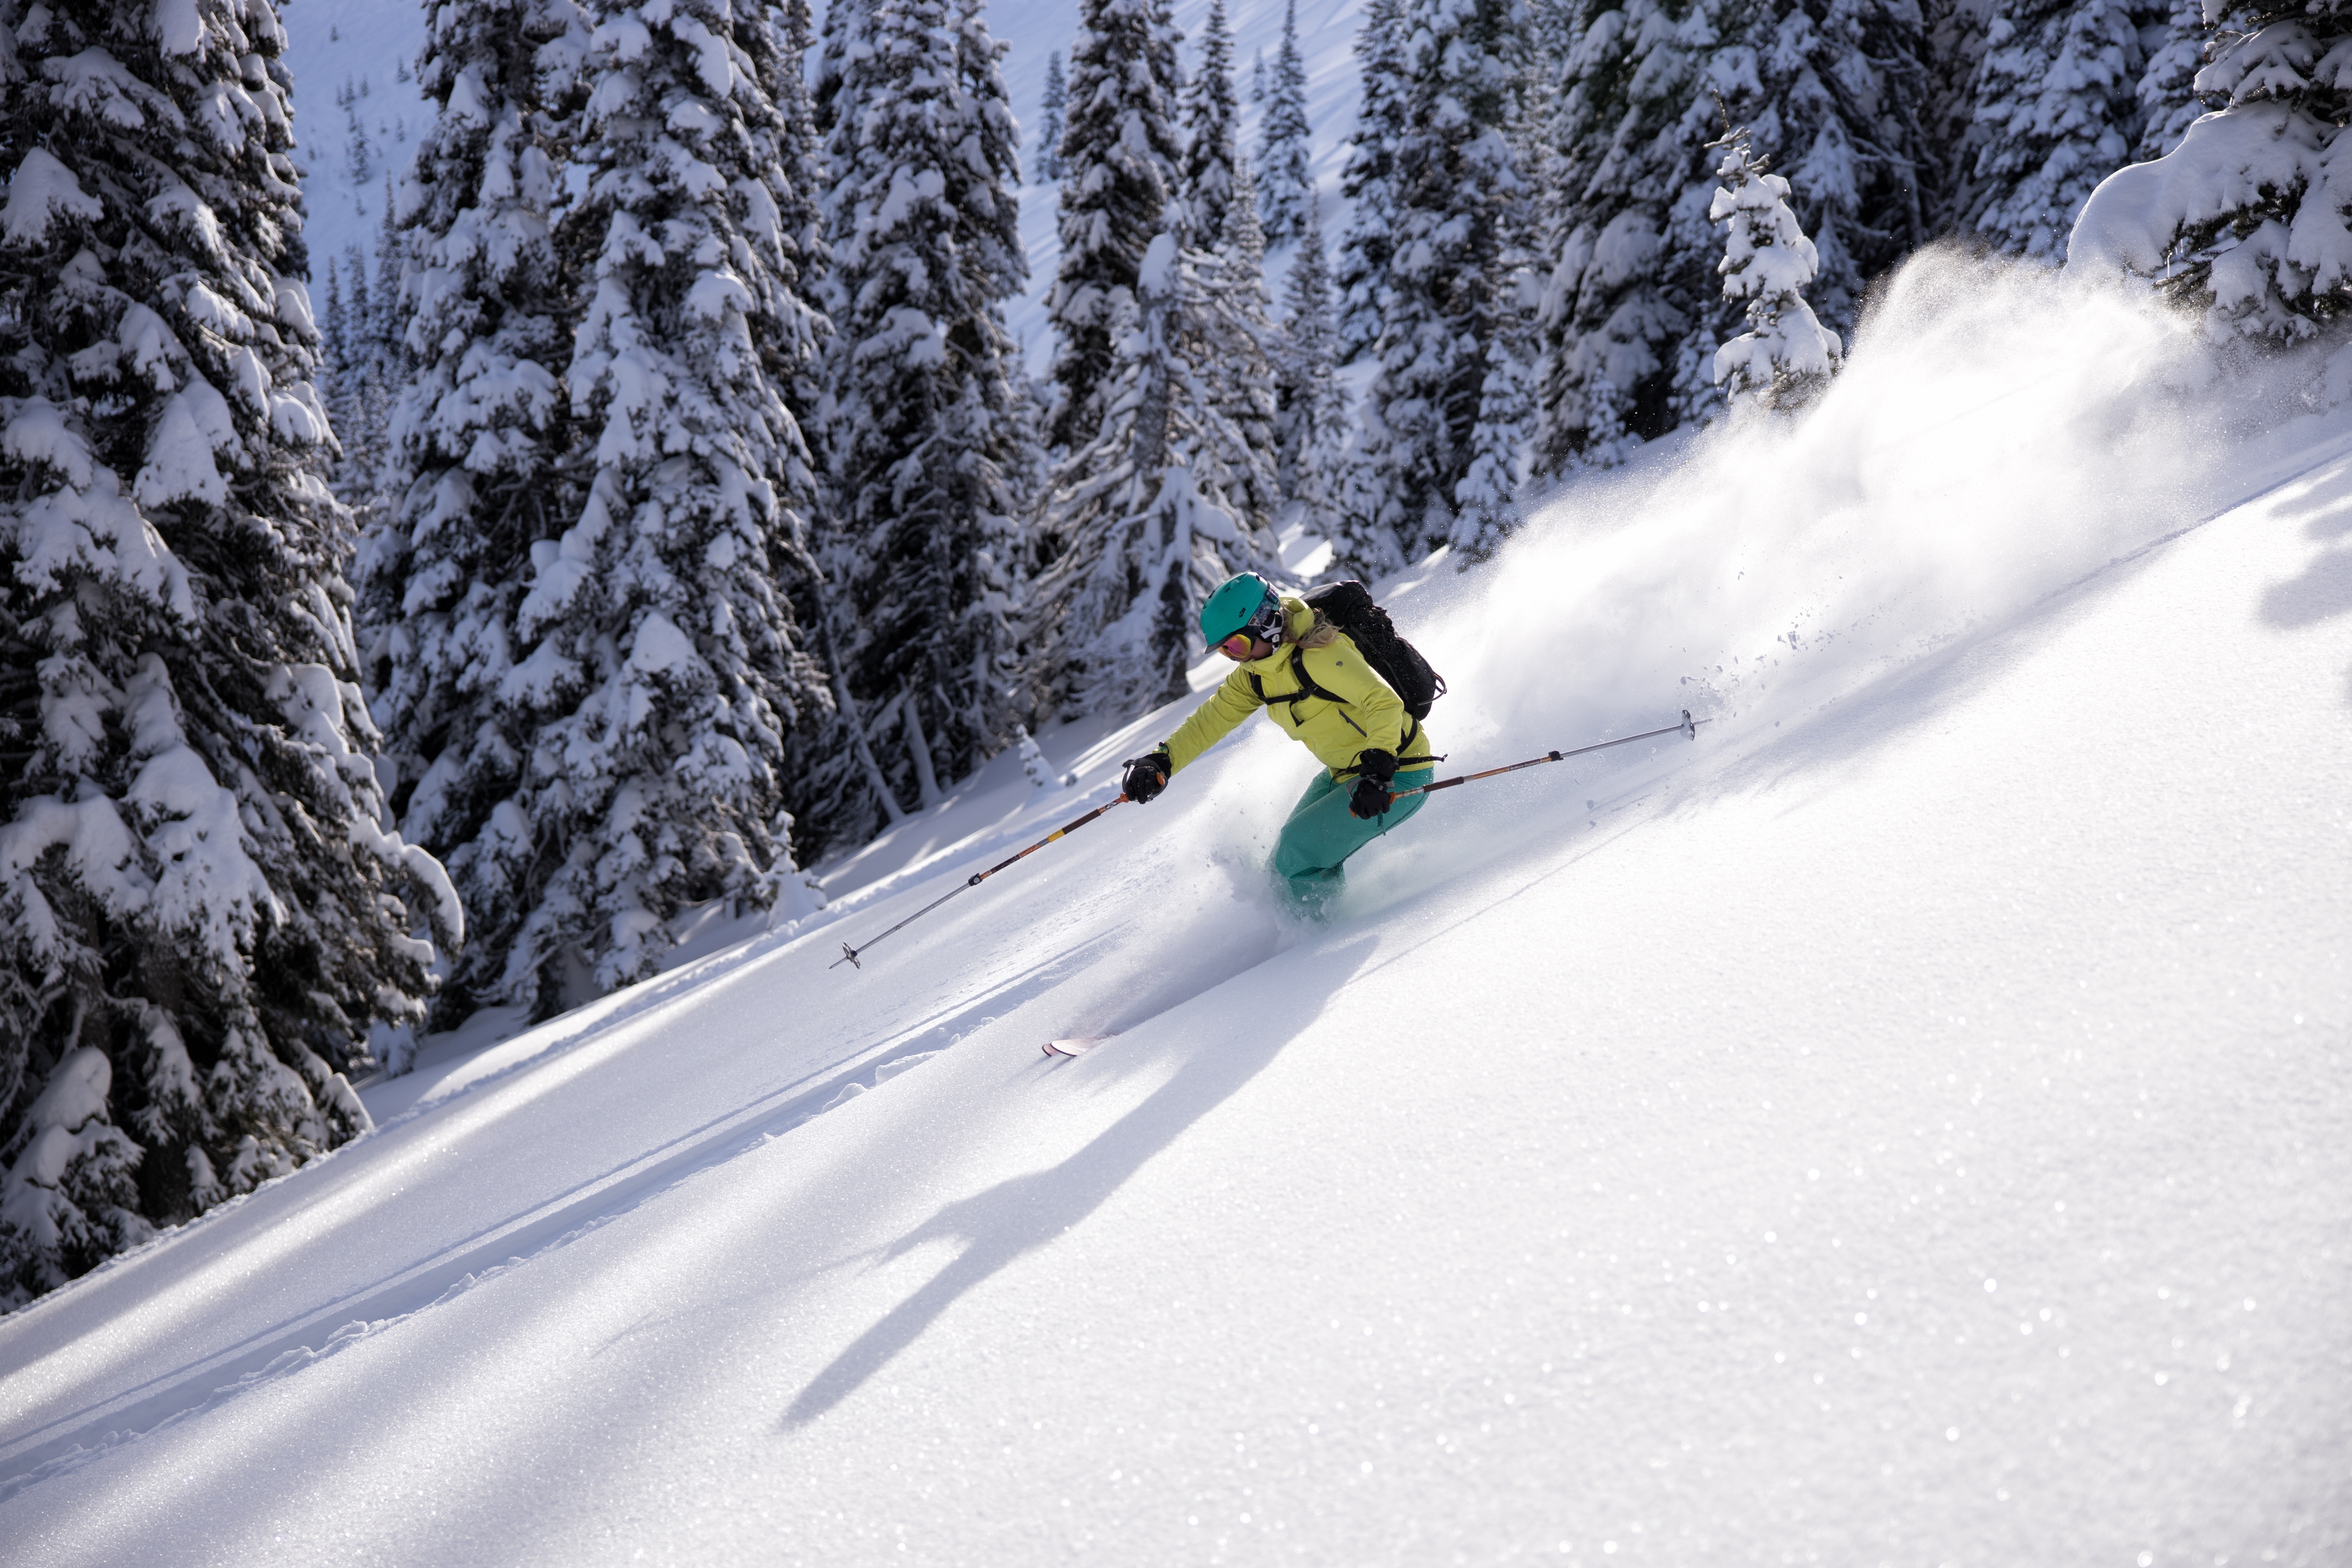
(1075, 1047)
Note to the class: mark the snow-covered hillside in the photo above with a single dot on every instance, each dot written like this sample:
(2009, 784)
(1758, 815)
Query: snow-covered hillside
(1911, 1124)
(354, 69)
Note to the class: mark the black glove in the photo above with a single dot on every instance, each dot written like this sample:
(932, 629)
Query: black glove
(1375, 771)
(1146, 775)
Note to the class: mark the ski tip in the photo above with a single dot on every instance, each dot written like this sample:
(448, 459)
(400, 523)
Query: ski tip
(1077, 1047)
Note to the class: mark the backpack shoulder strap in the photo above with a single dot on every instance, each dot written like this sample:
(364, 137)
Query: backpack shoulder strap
(1306, 686)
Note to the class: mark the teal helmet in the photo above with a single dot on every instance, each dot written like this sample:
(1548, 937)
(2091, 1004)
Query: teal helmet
(1244, 603)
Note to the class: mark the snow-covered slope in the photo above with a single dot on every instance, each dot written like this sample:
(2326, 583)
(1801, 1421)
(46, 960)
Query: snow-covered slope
(354, 69)
(1912, 1123)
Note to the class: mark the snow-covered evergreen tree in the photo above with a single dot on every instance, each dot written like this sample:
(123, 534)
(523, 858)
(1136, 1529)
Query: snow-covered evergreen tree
(1786, 357)
(1210, 148)
(1239, 347)
(359, 370)
(479, 468)
(1952, 51)
(662, 650)
(1487, 498)
(2168, 99)
(1311, 426)
(2057, 111)
(202, 921)
(1284, 172)
(1049, 118)
(794, 351)
(1833, 94)
(1032, 760)
(1629, 278)
(1143, 511)
(1120, 153)
(333, 339)
(833, 42)
(2247, 216)
(70, 1197)
(925, 236)
(1457, 209)
(1360, 268)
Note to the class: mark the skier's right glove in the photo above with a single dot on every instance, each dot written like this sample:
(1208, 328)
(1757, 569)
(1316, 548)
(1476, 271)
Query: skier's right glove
(1146, 775)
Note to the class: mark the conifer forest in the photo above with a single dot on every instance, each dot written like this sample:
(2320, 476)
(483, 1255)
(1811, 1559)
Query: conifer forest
(664, 503)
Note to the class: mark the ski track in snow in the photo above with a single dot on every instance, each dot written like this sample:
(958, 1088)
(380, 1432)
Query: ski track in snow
(1909, 1125)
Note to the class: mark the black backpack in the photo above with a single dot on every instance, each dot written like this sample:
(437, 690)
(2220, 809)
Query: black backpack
(1348, 606)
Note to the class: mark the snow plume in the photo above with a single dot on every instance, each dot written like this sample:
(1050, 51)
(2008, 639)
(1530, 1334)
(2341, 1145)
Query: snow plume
(1782, 565)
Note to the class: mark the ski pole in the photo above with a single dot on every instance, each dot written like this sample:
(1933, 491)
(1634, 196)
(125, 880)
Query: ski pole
(849, 954)
(1689, 726)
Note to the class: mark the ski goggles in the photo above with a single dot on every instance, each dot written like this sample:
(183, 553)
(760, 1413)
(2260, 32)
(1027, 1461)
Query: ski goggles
(1266, 625)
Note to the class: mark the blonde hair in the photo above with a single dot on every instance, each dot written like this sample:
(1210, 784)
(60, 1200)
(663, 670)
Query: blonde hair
(1322, 634)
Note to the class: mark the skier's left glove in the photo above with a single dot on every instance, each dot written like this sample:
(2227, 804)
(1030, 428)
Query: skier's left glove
(1375, 771)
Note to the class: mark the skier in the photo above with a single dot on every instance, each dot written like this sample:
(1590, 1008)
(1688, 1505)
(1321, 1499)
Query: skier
(1318, 690)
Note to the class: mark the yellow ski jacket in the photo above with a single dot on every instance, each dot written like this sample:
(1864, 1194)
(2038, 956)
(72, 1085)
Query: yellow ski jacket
(1369, 715)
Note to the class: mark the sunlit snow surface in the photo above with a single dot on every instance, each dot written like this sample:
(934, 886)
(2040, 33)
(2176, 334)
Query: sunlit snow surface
(1910, 1124)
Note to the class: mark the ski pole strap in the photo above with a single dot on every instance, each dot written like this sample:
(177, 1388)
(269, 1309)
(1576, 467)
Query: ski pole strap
(850, 955)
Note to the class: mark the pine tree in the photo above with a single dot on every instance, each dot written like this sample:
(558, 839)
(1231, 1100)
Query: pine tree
(1631, 316)
(2168, 99)
(1457, 203)
(2245, 219)
(925, 236)
(1143, 511)
(1049, 128)
(1487, 498)
(1312, 418)
(194, 885)
(1286, 182)
(1210, 149)
(478, 474)
(1239, 348)
(664, 649)
(1785, 359)
(794, 351)
(334, 343)
(70, 1196)
(832, 44)
(1361, 269)
(1120, 153)
(359, 389)
(1032, 760)
(1627, 284)
(2057, 111)
(1952, 51)
(799, 178)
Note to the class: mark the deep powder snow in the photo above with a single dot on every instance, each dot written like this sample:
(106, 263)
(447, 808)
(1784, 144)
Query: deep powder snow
(1910, 1124)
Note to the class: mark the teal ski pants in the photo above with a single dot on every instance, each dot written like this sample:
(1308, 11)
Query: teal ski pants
(1322, 833)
